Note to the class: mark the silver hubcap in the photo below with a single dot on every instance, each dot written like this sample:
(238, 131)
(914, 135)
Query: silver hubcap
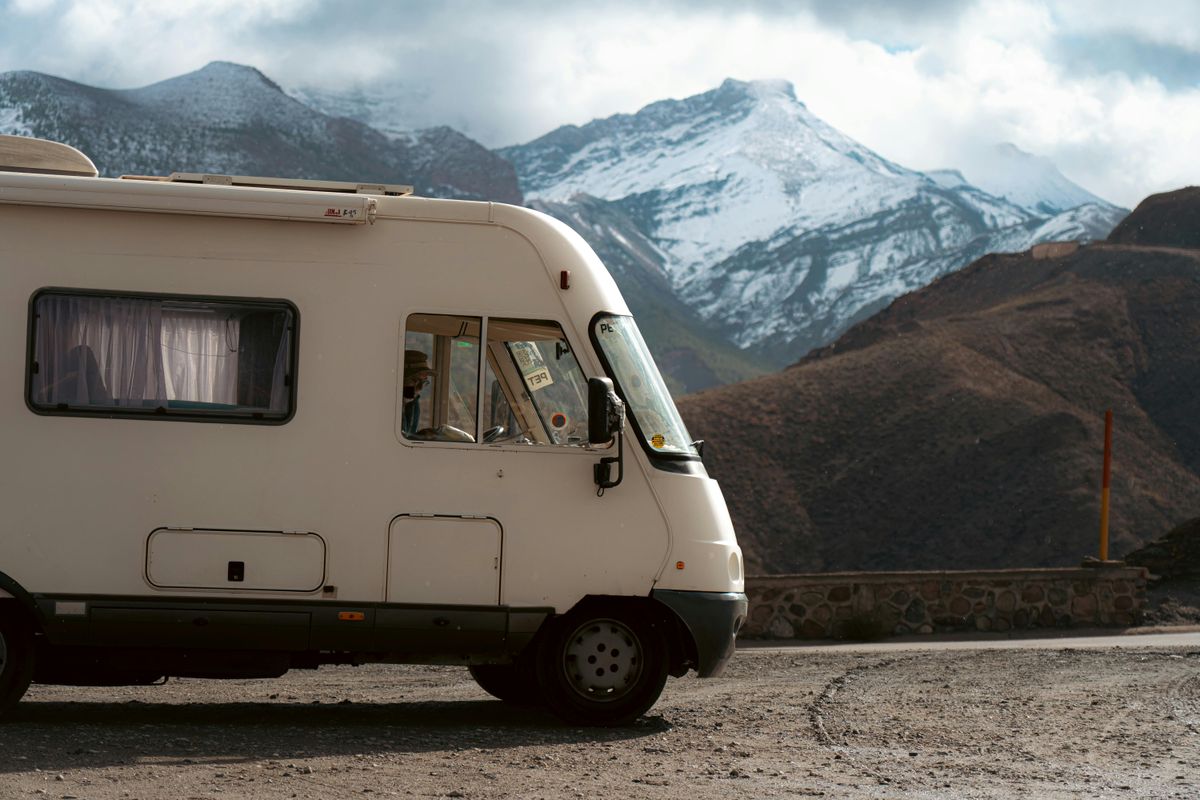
(603, 660)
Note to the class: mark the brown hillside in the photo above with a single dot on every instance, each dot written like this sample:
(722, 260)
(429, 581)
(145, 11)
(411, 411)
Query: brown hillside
(963, 425)
(1175, 556)
(1171, 219)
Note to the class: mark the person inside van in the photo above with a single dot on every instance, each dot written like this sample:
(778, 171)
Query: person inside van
(416, 376)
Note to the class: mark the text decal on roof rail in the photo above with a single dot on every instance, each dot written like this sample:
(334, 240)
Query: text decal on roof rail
(342, 213)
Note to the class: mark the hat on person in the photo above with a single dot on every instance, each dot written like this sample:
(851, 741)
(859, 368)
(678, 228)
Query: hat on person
(416, 366)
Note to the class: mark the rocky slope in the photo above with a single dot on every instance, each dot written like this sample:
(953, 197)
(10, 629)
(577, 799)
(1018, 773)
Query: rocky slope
(1174, 557)
(962, 426)
(1163, 220)
(1174, 563)
(232, 119)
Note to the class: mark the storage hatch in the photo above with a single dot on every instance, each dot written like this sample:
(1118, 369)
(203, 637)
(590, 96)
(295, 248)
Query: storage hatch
(444, 560)
(271, 561)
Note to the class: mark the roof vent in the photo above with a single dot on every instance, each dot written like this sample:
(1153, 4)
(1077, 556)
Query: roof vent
(26, 154)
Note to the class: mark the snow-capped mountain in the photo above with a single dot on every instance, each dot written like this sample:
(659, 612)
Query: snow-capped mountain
(724, 168)
(777, 229)
(1030, 181)
(229, 118)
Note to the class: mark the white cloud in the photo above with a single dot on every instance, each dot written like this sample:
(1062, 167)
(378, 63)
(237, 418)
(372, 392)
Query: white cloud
(963, 77)
(1163, 21)
(128, 43)
(32, 7)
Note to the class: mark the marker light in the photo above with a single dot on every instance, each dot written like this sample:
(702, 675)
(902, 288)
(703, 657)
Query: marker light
(679, 565)
(351, 616)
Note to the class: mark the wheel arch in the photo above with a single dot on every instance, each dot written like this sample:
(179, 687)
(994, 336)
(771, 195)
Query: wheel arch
(15, 593)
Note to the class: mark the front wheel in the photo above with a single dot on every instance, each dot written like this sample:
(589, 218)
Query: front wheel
(16, 657)
(602, 665)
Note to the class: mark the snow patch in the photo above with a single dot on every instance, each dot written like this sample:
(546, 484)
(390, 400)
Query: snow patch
(12, 122)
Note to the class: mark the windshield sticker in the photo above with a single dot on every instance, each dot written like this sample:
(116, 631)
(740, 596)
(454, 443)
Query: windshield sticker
(658, 441)
(538, 379)
(559, 420)
(527, 357)
(533, 367)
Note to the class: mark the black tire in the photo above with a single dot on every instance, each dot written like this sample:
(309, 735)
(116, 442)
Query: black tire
(603, 664)
(513, 683)
(16, 656)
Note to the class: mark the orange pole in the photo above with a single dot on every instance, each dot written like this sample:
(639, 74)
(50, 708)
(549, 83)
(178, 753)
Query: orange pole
(1104, 489)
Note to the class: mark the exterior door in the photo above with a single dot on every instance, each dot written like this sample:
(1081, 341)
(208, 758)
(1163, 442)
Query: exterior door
(444, 560)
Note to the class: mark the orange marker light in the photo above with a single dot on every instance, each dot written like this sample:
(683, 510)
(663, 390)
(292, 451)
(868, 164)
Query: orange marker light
(351, 616)
(679, 565)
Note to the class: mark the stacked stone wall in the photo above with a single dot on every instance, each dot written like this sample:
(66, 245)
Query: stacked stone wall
(869, 605)
(1053, 249)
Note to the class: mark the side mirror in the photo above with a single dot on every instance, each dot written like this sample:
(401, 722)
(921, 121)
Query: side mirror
(606, 419)
(606, 412)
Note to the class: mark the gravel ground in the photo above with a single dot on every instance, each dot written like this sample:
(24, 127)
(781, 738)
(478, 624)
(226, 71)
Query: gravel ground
(799, 723)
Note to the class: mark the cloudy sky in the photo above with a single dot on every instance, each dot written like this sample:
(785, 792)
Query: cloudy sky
(1110, 91)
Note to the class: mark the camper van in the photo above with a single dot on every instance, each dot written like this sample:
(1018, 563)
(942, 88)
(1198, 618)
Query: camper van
(253, 424)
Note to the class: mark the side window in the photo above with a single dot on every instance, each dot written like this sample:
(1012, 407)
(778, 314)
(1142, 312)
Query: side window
(162, 356)
(541, 380)
(533, 391)
(440, 383)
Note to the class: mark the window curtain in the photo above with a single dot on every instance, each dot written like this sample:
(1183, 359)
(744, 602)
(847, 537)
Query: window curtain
(127, 352)
(98, 351)
(200, 353)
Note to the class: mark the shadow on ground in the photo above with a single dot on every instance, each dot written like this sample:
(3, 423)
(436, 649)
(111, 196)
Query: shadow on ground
(54, 736)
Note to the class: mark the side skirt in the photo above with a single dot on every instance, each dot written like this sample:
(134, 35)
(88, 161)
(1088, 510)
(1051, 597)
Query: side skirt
(114, 640)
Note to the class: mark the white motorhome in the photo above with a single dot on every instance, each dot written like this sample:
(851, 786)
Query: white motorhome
(251, 425)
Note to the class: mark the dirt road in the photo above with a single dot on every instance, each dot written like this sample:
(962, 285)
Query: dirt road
(962, 723)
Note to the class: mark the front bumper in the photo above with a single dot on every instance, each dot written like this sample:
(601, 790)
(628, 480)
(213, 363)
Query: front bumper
(713, 620)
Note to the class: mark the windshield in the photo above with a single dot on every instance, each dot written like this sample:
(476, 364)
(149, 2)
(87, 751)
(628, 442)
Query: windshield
(641, 386)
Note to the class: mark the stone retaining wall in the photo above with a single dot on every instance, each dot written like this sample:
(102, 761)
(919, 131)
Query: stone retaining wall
(870, 605)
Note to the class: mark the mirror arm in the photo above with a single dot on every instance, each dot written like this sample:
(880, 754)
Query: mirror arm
(603, 470)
